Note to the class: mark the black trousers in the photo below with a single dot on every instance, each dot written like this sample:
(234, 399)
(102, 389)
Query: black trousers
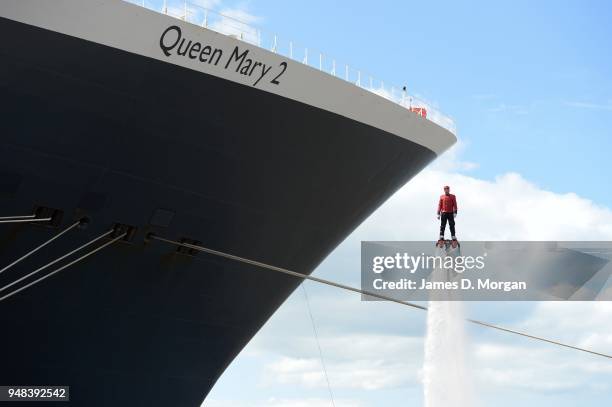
(444, 217)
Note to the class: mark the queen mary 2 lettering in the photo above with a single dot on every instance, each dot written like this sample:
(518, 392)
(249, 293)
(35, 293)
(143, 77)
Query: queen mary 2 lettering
(172, 42)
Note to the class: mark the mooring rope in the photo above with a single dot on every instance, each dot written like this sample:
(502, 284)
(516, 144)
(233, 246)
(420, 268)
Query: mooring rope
(31, 252)
(359, 291)
(121, 236)
(24, 220)
(499, 328)
(17, 217)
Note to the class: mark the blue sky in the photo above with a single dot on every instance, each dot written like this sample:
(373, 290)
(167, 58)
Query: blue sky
(529, 85)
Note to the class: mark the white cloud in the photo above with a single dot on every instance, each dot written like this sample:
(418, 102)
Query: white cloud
(581, 323)
(544, 367)
(311, 402)
(284, 402)
(507, 208)
(357, 374)
(371, 362)
(538, 367)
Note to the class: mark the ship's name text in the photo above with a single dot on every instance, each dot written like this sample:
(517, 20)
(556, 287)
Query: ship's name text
(238, 60)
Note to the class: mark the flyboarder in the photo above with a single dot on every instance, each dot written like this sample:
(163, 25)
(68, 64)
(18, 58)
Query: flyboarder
(447, 212)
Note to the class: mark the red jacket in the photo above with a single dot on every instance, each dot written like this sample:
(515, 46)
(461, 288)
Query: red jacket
(448, 203)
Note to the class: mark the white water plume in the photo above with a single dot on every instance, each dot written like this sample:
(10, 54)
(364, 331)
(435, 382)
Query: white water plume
(446, 380)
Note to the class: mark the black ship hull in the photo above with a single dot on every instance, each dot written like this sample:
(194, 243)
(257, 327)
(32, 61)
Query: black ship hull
(95, 131)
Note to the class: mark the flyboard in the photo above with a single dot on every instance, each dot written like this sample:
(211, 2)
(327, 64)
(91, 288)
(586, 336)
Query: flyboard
(444, 273)
(448, 244)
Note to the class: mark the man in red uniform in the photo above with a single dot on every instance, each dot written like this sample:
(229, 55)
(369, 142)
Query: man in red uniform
(447, 210)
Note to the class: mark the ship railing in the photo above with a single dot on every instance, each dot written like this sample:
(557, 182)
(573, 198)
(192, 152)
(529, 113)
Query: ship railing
(241, 26)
